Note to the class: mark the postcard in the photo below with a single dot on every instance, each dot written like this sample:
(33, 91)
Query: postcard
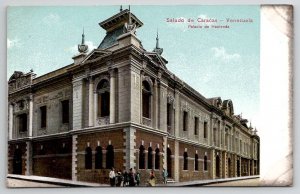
(144, 96)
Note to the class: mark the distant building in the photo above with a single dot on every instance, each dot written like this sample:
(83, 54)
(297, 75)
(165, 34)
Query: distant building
(120, 106)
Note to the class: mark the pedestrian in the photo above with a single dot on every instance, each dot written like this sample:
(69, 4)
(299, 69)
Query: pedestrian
(165, 175)
(120, 179)
(132, 181)
(138, 179)
(112, 177)
(126, 178)
(152, 179)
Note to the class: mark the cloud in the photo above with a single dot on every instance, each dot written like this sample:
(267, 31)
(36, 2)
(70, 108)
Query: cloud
(221, 53)
(74, 49)
(11, 43)
(51, 19)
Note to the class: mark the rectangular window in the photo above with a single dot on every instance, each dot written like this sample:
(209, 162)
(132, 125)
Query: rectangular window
(22, 122)
(185, 120)
(196, 127)
(205, 130)
(65, 111)
(169, 110)
(43, 110)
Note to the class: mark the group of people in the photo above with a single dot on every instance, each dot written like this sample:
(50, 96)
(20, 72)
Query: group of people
(125, 179)
(132, 178)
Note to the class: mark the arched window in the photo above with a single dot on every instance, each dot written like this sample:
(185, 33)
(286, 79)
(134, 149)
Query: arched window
(98, 158)
(88, 158)
(146, 99)
(142, 157)
(103, 98)
(196, 162)
(157, 159)
(185, 161)
(150, 166)
(205, 163)
(109, 156)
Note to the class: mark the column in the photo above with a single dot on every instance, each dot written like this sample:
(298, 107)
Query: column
(177, 113)
(77, 104)
(95, 107)
(28, 158)
(30, 115)
(11, 121)
(112, 96)
(91, 103)
(155, 104)
(176, 161)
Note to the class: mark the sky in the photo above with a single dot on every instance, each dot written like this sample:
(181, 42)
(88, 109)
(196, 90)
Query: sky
(216, 62)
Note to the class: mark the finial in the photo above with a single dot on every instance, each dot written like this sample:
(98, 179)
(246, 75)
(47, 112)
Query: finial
(82, 48)
(157, 40)
(121, 9)
(157, 49)
(129, 7)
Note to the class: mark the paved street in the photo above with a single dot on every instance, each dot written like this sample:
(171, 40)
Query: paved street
(239, 183)
(23, 183)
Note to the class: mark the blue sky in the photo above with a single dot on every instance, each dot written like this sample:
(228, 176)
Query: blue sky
(215, 62)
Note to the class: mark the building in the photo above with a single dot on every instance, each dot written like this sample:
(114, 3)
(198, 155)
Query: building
(120, 106)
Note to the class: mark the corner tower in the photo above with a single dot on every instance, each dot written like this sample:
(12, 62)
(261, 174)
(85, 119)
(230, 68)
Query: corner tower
(120, 30)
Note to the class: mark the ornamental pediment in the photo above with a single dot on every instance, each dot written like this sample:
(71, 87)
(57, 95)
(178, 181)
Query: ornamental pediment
(20, 80)
(157, 59)
(96, 55)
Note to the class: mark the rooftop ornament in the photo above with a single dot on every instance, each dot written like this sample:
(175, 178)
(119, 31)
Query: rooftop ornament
(83, 48)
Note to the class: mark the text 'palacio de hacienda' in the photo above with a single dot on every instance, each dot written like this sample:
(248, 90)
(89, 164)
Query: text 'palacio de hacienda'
(119, 106)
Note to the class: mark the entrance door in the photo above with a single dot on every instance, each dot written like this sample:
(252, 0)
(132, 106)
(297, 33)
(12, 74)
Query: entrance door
(218, 166)
(238, 168)
(17, 162)
(229, 167)
(169, 162)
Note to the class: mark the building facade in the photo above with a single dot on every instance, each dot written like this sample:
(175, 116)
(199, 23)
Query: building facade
(119, 106)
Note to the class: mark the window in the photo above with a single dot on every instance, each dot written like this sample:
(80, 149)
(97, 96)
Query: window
(146, 98)
(196, 127)
(103, 98)
(196, 162)
(205, 163)
(185, 120)
(65, 111)
(150, 166)
(98, 158)
(142, 157)
(22, 122)
(157, 159)
(109, 156)
(185, 161)
(205, 130)
(88, 158)
(169, 110)
(43, 110)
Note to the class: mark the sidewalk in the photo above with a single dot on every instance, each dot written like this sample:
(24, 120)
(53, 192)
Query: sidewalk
(205, 182)
(55, 181)
(70, 183)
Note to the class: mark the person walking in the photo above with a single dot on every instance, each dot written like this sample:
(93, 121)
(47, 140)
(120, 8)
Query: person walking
(119, 179)
(132, 181)
(165, 175)
(138, 178)
(152, 179)
(126, 178)
(112, 177)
